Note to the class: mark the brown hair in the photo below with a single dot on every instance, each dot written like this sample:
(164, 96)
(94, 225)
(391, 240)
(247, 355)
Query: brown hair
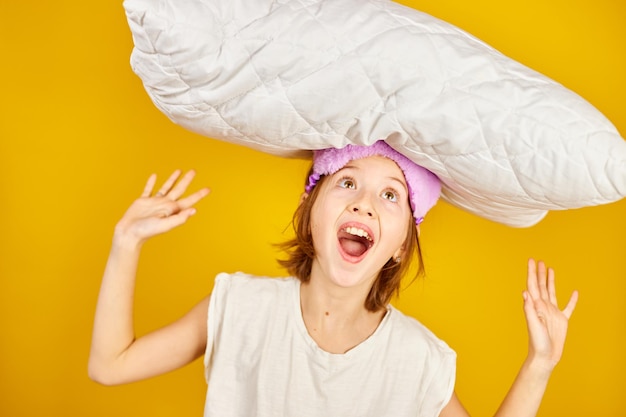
(301, 253)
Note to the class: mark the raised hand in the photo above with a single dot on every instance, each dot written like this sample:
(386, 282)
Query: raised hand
(151, 215)
(117, 355)
(547, 324)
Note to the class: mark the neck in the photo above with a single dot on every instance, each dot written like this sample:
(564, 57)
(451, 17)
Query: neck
(336, 317)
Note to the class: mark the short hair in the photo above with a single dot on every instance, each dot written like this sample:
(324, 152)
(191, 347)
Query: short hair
(301, 252)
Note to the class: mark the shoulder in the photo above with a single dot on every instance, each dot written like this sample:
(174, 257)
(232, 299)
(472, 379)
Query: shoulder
(243, 300)
(240, 281)
(249, 278)
(243, 289)
(429, 359)
(242, 310)
(413, 335)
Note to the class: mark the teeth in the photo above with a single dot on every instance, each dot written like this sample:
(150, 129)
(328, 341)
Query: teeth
(358, 232)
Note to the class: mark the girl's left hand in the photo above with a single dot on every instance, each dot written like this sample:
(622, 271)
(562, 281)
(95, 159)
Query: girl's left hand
(547, 324)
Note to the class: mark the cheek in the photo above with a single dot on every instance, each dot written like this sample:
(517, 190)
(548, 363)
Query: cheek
(318, 226)
(401, 212)
(400, 221)
(315, 218)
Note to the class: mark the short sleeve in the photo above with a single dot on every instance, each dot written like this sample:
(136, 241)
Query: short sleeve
(441, 385)
(429, 365)
(214, 317)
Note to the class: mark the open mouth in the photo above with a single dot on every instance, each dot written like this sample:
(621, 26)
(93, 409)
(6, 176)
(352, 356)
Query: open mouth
(354, 241)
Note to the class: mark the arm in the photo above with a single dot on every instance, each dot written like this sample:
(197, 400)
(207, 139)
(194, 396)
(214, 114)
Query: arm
(547, 328)
(116, 356)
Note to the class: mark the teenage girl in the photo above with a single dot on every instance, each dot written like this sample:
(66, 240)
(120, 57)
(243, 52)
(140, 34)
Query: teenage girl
(325, 341)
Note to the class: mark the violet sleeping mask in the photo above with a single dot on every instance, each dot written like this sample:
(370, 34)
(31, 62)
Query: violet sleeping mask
(424, 187)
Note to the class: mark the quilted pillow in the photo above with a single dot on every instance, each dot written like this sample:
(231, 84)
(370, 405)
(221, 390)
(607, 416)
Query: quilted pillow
(288, 76)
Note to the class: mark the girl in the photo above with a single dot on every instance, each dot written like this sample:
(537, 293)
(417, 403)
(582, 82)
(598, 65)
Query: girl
(324, 342)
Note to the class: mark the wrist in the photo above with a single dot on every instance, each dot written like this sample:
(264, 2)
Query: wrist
(125, 241)
(541, 367)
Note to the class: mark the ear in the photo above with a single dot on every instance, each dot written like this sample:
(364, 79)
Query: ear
(398, 253)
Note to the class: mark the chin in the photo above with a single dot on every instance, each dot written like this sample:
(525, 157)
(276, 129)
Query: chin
(351, 277)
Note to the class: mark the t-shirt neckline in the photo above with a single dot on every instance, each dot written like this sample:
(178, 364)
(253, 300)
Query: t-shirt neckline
(358, 350)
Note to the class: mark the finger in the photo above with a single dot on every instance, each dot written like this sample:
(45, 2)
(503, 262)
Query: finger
(532, 319)
(166, 208)
(531, 284)
(542, 280)
(571, 305)
(147, 190)
(182, 185)
(178, 219)
(191, 200)
(165, 188)
(552, 287)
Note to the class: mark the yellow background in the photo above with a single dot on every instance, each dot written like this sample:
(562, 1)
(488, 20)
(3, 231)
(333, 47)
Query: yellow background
(79, 136)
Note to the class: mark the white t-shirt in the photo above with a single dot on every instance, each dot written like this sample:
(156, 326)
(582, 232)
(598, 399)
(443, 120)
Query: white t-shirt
(261, 361)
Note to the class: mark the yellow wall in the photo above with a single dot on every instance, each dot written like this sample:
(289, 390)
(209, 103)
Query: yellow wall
(78, 137)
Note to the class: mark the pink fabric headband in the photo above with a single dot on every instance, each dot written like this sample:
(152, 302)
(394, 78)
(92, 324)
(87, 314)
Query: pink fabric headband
(424, 186)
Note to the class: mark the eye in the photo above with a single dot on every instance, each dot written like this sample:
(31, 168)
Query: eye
(390, 195)
(347, 183)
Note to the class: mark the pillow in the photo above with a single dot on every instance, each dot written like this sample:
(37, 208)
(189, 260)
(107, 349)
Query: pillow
(289, 76)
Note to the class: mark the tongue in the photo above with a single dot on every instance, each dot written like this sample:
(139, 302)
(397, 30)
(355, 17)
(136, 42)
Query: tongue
(353, 246)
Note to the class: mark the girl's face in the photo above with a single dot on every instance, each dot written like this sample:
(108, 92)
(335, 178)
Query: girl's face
(359, 221)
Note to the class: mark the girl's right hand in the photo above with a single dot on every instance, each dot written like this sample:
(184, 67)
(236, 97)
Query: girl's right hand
(151, 215)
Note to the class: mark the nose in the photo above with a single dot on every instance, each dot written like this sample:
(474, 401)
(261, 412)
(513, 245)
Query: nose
(357, 210)
(362, 206)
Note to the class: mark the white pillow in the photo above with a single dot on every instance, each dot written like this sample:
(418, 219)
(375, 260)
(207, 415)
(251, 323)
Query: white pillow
(284, 76)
